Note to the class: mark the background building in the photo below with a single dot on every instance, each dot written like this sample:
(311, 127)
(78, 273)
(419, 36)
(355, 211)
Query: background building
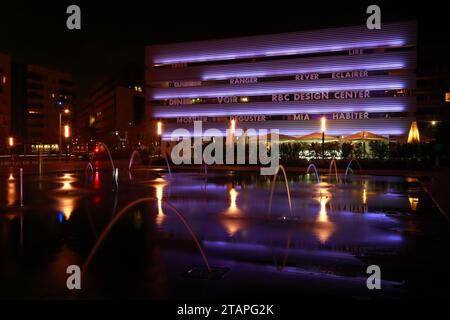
(39, 97)
(5, 101)
(358, 79)
(433, 89)
(114, 112)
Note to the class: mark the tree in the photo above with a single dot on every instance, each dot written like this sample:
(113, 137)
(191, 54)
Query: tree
(380, 149)
(347, 150)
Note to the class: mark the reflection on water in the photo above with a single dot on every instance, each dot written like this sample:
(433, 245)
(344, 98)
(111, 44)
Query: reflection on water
(97, 184)
(232, 204)
(160, 216)
(364, 195)
(67, 179)
(65, 202)
(66, 206)
(11, 193)
(323, 228)
(332, 226)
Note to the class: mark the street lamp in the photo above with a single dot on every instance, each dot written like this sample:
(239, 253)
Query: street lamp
(11, 145)
(66, 111)
(323, 127)
(66, 136)
(159, 128)
(159, 133)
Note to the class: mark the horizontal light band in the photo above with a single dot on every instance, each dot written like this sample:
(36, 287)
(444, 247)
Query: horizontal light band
(380, 126)
(368, 62)
(325, 40)
(267, 88)
(383, 104)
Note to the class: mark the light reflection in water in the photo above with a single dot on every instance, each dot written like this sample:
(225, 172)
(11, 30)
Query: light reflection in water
(232, 225)
(323, 228)
(11, 193)
(96, 180)
(67, 179)
(233, 209)
(323, 215)
(66, 205)
(160, 217)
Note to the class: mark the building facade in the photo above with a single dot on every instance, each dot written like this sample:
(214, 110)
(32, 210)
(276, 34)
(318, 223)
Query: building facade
(40, 95)
(433, 89)
(5, 101)
(358, 79)
(114, 113)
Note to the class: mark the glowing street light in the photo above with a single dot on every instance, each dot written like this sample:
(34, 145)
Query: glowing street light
(66, 111)
(159, 128)
(323, 128)
(11, 142)
(66, 131)
(323, 124)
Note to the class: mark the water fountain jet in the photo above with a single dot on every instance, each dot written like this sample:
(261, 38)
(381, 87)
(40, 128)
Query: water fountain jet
(348, 167)
(315, 170)
(122, 212)
(333, 161)
(130, 163)
(90, 168)
(168, 166)
(273, 189)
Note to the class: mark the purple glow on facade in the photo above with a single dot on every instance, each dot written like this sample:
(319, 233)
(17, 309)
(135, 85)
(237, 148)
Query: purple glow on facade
(282, 52)
(369, 67)
(397, 34)
(165, 112)
(312, 95)
(268, 88)
(380, 126)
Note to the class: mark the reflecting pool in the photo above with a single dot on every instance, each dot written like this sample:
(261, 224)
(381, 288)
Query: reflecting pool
(321, 247)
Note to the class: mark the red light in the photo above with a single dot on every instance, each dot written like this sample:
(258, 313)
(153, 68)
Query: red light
(96, 149)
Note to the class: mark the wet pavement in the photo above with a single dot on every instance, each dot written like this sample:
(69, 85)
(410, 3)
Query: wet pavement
(322, 246)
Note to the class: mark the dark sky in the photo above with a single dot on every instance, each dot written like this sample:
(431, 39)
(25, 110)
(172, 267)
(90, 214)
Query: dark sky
(114, 33)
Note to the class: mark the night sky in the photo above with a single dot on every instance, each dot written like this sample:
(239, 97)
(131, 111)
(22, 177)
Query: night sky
(113, 34)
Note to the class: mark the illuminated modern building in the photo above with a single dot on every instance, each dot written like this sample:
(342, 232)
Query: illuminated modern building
(358, 79)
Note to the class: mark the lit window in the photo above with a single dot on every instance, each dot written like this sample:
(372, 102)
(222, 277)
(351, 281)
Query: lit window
(447, 97)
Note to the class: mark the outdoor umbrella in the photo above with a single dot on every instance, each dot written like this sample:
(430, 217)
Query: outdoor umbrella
(281, 137)
(365, 136)
(317, 136)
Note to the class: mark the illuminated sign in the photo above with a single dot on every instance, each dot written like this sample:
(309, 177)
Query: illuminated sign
(305, 96)
(249, 118)
(293, 117)
(243, 80)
